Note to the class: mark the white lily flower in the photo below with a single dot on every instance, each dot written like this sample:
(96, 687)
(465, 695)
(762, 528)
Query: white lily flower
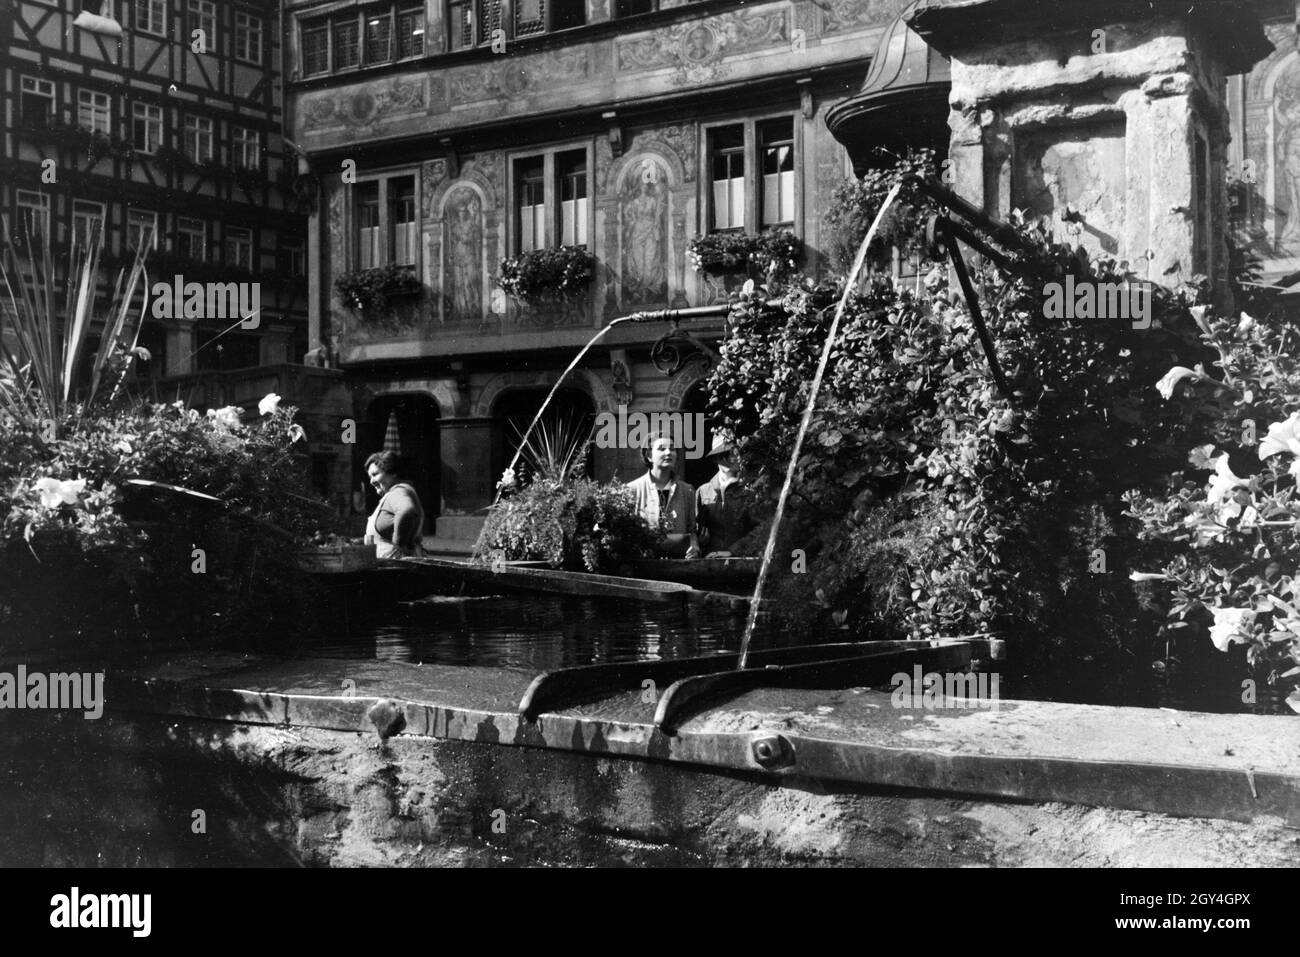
(1230, 625)
(1223, 482)
(296, 433)
(270, 402)
(55, 493)
(1170, 380)
(1282, 437)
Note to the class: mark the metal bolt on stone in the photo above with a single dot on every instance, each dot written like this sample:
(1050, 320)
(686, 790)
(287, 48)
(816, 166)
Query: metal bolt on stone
(771, 751)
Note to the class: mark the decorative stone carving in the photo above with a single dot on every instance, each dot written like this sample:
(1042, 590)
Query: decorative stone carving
(841, 15)
(362, 109)
(696, 50)
(514, 78)
(432, 175)
(1080, 169)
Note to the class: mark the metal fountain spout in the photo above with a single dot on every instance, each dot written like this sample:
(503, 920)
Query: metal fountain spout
(653, 315)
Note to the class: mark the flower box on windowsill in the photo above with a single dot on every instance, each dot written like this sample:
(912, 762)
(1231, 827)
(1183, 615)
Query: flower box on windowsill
(547, 275)
(373, 292)
(737, 253)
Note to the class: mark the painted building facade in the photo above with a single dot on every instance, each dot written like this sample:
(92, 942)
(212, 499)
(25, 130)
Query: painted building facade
(449, 136)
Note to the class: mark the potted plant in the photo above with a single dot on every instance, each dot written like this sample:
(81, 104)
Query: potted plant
(541, 275)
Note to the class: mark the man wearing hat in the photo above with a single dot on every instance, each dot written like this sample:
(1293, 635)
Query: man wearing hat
(722, 503)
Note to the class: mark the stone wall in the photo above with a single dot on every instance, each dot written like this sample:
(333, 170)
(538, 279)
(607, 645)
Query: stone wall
(295, 796)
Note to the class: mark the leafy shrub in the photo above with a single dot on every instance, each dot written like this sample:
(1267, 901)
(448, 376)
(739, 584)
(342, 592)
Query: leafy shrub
(578, 525)
(71, 515)
(542, 274)
(370, 290)
(855, 203)
(930, 504)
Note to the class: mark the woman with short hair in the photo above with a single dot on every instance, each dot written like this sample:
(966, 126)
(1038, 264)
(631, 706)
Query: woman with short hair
(662, 498)
(397, 526)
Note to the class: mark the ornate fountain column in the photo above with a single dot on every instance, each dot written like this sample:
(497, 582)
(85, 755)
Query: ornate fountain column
(1109, 118)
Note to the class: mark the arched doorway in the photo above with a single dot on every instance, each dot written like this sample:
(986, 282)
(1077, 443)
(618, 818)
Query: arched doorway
(695, 402)
(514, 410)
(411, 421)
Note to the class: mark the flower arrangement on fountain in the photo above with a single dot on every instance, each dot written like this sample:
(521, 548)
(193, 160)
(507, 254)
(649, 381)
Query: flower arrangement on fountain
(1237, 530)
(732, 253)
(551, 511)
(371, 291)
(547, 274)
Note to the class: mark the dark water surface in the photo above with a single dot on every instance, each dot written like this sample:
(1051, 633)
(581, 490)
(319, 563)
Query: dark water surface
(535, 632)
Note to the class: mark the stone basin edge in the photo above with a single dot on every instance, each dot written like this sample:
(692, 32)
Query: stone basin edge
(1177, 790)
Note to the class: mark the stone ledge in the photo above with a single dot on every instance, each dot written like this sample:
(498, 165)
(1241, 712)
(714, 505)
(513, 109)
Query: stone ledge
(1230, 767)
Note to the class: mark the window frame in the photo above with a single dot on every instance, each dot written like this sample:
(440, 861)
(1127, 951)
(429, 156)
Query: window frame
(23, 203)
(234, 235)
(152, 220)
(185, 225)
(247, 26)
(189, 124)
(508, 20)
(148, 109)
(753, 220)
(384, 224)
(239, 147)
(551, 186)
(360, 17)
(761, 145)
(195, 20)
(745, 151)
(77, 214)
(50, 97)
(154, 7)
(613, 10)
(82, 93)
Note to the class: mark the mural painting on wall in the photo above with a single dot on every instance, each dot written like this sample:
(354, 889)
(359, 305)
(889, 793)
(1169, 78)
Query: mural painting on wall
(696, 51)
(463, 270)
(840, 15)
(364, 107)
(1286, 159)
(644, 206)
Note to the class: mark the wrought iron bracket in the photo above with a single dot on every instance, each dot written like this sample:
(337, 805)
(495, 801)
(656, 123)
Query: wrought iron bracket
(675, 348)
(942, 234)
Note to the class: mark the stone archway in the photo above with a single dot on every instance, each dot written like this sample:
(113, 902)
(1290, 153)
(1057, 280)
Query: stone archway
(602, 396)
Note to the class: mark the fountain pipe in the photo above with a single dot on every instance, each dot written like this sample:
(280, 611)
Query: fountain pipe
(793, 466)
(653, 315)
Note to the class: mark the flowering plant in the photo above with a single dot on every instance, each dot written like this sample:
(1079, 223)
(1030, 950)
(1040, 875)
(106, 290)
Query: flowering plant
(109, 502)
(776, 251)
(577, 524)
(541, 274)
(1236, 532)
(369, 291)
